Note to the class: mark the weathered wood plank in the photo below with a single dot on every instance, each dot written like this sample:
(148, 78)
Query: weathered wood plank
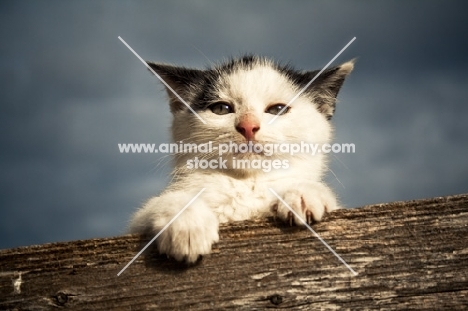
(409, 255)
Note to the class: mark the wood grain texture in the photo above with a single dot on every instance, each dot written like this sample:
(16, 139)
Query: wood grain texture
(408, 255)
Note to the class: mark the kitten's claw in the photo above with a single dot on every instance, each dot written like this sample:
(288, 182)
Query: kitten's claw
(309, 217)
(274, 209)
(310, 201)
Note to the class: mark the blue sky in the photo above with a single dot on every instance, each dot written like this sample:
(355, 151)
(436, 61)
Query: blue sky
(71, 91)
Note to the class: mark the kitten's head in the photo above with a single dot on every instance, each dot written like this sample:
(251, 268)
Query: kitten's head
(239, 98)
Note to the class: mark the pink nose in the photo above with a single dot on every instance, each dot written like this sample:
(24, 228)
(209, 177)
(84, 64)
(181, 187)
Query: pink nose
(248, 127)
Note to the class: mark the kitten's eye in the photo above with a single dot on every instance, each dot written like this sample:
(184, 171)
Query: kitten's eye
(221, 108)
(276, 109)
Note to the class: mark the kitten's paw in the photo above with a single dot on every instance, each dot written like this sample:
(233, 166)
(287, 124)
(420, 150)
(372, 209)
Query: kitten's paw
(190, 235)
(310, 201)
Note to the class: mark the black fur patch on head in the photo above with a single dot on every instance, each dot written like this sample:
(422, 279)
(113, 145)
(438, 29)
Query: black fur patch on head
(324, 89)
(207, 92)
(198, 87)
(184, 81)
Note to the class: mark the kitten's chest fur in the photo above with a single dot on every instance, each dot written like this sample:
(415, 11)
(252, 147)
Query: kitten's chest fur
(235, 198)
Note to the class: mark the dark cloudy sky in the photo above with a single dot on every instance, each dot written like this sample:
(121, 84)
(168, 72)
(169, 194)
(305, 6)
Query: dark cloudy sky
(70, 91)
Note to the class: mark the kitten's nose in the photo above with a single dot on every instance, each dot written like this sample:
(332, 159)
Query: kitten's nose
(248, 127)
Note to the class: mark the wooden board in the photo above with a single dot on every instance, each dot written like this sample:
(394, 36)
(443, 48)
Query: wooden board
(408, 255)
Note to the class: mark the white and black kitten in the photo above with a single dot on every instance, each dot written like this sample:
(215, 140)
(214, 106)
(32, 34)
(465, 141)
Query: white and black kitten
(237, 99)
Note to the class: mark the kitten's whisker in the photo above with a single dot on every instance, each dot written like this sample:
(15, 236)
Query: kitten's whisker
(342, 163)
(336, 177)
(161, 162)
(203, 54)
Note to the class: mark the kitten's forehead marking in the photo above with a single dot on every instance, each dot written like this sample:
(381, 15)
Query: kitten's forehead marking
(256, 87)
(313, 79)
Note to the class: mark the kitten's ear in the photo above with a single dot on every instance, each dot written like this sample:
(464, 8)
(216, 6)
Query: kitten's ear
(183, 81)
(326, 87)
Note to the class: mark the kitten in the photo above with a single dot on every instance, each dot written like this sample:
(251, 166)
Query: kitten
(237, 99)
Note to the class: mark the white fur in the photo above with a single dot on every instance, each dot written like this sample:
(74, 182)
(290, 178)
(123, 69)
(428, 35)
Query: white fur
(234, 195)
